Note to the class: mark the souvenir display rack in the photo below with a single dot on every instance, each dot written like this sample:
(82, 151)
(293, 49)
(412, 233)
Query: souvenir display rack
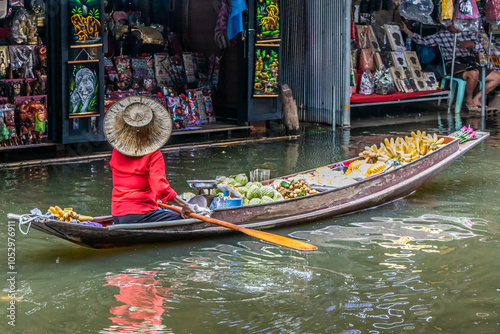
(264, 57)
(23, 74)
(381, 50)
(149, 60)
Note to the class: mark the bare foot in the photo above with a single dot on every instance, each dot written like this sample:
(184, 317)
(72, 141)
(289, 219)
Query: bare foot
(478, 103)
(471, 105)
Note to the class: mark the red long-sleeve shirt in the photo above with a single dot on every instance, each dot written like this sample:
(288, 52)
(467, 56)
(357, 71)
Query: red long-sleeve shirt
(138, 182)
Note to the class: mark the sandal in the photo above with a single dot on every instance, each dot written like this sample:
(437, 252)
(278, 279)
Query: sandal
(473, 109)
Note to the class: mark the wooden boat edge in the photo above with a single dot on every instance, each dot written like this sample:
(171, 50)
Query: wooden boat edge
(50, 226)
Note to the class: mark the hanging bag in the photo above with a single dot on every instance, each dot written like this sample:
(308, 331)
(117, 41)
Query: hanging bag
(365, 54)
(466, 15)
(492, 10)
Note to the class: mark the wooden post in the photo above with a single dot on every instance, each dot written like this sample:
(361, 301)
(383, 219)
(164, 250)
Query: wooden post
(289, 111)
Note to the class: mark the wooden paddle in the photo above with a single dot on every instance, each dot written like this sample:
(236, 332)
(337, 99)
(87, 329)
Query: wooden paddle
(269, 237)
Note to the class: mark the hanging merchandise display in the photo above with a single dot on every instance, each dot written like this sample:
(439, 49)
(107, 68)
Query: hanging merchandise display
(366, 52)
(23, 70)
(492, 11)
(86, 22)
(83, 88)
(150, 59)
(366, 86)
(266, 70)
(417, 10)
(466, 16)
(383, 82)
(268, 20)
(388, 66)
(446, 12)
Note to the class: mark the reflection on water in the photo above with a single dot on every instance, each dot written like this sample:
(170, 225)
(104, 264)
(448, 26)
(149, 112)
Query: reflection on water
(380, 272)
(142, 297)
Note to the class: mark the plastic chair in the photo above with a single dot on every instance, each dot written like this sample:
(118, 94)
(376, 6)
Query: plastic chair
(460, 87)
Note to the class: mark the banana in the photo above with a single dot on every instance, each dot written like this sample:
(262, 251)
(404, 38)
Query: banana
(85, 218)
(354, 166)
(404, 150)
(67, 214)
(375, 169)
(431, 141)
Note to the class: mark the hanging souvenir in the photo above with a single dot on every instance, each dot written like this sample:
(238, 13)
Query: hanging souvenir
(383, 82)
(192, 103)
(366, 86)
(366, 52)
(466, 15)
(139, 69)
(4, 61)
(268, 20)
(446, 12)
(209, 108)
(266, 71)
(162, 69)
(85, 22)
(21, 60)
(492, 10)
(201, 105)
(417, 10)
(122, 64)
(4, 8)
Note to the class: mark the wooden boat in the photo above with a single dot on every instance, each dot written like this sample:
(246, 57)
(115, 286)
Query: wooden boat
(369, 192)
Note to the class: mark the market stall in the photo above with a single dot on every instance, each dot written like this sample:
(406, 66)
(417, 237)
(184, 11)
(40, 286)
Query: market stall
(195, 58)
(23, 73)
(385, 66)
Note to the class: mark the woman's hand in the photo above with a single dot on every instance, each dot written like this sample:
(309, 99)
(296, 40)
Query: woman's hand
(186, 210)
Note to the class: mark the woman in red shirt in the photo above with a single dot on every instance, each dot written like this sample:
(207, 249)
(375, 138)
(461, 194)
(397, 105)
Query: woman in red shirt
(137, 127)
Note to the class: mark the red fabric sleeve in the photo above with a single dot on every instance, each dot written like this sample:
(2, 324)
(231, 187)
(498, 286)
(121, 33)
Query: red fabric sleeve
(157, 179)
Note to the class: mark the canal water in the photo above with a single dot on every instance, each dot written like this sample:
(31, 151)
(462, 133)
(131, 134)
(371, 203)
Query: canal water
(427, 263)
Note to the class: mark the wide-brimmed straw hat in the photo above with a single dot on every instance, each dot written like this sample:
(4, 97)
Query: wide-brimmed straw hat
(137, 125)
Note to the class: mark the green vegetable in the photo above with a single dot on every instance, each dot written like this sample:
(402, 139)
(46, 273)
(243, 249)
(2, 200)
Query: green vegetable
(267, 191)
(277, 197)
(242, 179)
(215, 191)
(255, 201)
(253, 192)
(266, 199)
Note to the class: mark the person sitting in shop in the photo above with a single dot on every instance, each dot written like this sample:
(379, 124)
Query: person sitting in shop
(137, 132)
(468, 46)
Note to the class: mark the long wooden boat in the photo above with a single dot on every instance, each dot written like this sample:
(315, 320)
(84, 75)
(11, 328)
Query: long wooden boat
(369, 192)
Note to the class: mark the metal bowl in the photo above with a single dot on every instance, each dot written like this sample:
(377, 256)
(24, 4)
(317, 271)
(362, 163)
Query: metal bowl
(342, 169)
(202, 183)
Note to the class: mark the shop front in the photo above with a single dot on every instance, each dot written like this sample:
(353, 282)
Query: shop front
(176, 52)
(211, 66)
(409, 51)
(23, 73)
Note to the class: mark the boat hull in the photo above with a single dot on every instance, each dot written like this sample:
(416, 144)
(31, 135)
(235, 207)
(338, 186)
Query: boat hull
(370, 192)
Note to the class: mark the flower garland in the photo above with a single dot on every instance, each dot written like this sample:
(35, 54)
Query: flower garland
(466, 134)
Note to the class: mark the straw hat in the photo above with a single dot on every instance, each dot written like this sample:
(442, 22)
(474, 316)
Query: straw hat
(137, 125)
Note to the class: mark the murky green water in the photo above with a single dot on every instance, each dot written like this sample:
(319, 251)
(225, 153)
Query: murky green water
(425, 264)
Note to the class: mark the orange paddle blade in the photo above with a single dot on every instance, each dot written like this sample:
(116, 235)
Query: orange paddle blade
(269, 237)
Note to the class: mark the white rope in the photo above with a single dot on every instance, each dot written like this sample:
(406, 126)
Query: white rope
(26, 219)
